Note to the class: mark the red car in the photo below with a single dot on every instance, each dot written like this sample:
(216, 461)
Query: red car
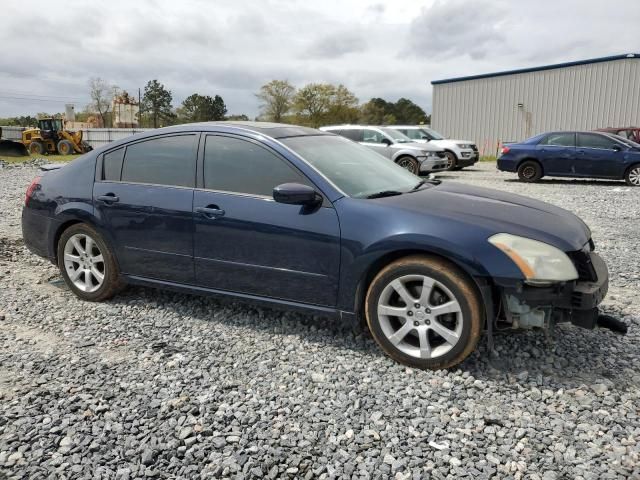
(631, 133)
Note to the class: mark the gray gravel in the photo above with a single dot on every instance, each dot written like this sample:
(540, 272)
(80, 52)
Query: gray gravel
(165, 385)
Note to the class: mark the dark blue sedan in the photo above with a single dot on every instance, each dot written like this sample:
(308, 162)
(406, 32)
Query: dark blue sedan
(304, 219)
(573, 154)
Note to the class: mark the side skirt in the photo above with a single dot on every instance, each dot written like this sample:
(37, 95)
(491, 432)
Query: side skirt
(265, 301)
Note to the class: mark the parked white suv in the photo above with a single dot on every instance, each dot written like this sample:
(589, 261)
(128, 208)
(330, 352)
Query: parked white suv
(460, 153)
(415, 157)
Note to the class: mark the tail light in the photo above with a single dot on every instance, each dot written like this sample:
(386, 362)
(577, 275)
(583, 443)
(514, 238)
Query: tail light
(30, 189)
(504, 150)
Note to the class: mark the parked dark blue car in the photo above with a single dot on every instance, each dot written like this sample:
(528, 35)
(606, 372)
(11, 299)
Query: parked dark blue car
(306, 219)
(573, 154)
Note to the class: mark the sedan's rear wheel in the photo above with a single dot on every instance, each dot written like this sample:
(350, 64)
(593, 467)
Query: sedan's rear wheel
(409, 163)
(530, 171)
(86, 263)
(633, 176)
(424, 312)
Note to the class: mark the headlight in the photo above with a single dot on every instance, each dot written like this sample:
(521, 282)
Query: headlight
(463, 145)
(539, 262)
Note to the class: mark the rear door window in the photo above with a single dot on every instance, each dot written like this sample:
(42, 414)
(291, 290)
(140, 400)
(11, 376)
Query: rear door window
(560, 140)
(593, 140)
(354, 134)
(112, 165)
(167, 160)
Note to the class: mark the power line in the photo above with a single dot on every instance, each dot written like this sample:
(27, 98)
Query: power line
(33, 99)
(29, 94)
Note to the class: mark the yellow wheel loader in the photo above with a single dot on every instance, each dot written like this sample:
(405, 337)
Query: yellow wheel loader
(51, 137)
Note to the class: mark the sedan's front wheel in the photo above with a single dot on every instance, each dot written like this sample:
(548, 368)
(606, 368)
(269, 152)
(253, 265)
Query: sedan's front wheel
(86, 263)
(632, 176)
(424, 312)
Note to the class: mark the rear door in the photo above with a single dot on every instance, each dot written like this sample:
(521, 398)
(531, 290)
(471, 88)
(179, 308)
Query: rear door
(556, 153)
(144, 197)
(599, 156)
(248, 243)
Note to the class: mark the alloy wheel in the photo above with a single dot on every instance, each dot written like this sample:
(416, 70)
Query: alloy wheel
(420, 316)
(84, 262)
(408, 164)
(634, 176)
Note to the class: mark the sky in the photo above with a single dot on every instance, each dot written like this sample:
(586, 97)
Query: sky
(389, 49)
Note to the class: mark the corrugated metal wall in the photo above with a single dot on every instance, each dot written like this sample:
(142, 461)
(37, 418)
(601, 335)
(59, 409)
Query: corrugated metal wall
(580, 97)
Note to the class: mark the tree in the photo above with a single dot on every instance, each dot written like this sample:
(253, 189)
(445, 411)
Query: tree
(321, 103)
(277, 98)
(202, 108)
(407, 112)
(100, 93)
(239, 118)
(378, 111)
(156, 103)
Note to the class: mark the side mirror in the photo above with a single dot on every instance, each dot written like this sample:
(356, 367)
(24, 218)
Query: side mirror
(425, 138)
(296, 194)
(616, 148)
(386, 141)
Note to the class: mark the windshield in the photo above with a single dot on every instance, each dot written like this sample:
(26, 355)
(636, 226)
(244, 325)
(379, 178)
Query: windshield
(432, 134)
(356, 170)
(626, 141)
(398, 137)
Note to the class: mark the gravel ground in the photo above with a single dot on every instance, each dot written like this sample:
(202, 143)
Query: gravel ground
(165, 385)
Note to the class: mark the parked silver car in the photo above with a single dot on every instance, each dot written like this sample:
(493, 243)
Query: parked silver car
(460, 153)
(415, 157)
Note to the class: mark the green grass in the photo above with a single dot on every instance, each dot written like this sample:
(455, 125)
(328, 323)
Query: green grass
(50, 158)
(488, 158)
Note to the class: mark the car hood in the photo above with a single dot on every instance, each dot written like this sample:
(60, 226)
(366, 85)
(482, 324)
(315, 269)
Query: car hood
(416, 146)
(498, 212)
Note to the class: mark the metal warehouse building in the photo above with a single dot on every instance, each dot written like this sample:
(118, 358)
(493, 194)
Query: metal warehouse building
(517, 104)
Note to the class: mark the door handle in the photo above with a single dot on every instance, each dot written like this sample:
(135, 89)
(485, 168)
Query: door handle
(210, 211)
(109, 198)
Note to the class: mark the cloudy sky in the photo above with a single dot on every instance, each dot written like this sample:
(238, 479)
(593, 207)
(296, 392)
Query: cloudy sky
(388, 49)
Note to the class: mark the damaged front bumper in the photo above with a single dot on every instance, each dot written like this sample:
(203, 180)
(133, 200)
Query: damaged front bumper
(526, 306)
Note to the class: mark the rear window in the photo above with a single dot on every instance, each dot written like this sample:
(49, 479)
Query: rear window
(162, 161)
(351, 134)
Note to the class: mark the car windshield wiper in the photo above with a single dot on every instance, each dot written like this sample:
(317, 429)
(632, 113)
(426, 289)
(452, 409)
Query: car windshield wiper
(418, 185)
(384, 193)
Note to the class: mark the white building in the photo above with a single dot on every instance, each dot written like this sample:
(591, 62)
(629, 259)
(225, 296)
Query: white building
(514, 105)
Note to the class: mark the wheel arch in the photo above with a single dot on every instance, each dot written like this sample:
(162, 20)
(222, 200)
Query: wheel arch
(628, 169)
(483, 287)
(74, 221)
(530, 159)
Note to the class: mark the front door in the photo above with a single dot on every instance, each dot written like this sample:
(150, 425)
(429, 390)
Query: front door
(599, 156)
(556, 153)
(145, 201)
(246, 242)
(374, 140)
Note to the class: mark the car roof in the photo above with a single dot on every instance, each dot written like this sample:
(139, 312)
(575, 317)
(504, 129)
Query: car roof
(269, 129)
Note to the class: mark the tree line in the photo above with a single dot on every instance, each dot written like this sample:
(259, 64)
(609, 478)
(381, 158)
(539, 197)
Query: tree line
(317, 104)
(314, 105)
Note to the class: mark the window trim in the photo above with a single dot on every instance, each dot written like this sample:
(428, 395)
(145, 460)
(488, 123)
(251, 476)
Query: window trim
(612, 140)
(200, 168)
(544, 139)
(100, 161)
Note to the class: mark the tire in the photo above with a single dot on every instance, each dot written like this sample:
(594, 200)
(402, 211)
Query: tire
(529, 171)
(73, 257)
(409, 163)
(65, 147)
(417, 336)
(632, 177)
(451, 161)
(36, 148)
